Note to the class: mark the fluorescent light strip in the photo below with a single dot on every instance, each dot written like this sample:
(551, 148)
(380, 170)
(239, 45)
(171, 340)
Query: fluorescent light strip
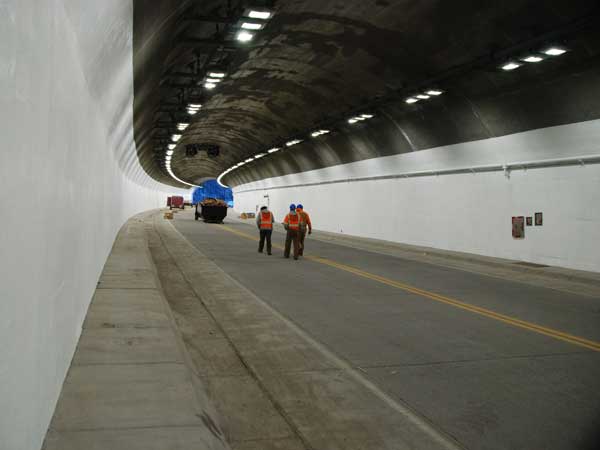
(293, 142)
(213, 80)
(511, 65)
(244, 36)
(210, 85)
(263, 15)
(175, 137)
(252, 26)
(532, 59)
(216, 74)
(554, 51)
(273, 150)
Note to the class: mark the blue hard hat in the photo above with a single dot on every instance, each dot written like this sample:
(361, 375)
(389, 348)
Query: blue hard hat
(292, 207)
(299, 206)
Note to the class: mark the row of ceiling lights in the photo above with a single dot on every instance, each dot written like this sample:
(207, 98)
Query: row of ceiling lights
(290, 143)
(533, 58)
(427, 94)
(245, 36)
(253, 20)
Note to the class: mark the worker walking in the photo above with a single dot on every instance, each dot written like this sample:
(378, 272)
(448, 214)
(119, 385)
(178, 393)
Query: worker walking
(264, 222)
(292, 223)
(305, 220)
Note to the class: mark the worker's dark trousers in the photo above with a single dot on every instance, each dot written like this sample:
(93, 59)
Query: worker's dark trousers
(292, 236)
(301, 237)
(265, 234)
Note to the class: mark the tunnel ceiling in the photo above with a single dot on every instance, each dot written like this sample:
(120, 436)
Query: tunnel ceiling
(316, 62)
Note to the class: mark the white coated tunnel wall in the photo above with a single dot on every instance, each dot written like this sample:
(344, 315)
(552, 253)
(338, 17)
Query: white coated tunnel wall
(69, 178)
(461, 212)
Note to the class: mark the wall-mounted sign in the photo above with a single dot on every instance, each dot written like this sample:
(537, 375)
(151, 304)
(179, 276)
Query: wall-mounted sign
(529, 221)
(539, 219)
(518, 227)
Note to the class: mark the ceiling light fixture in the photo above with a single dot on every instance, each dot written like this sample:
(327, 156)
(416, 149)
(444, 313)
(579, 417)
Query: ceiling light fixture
(260, 155)
(353, 120)
(263, 15)
(273, 150)
(244, 36)
(175, 137)
(171, 146)
(434, 92)
(292, 142)
(170, 152)
(216, 74)
(210, 85)
(555, 51)
(182, 126)
(532, 59)
(319, 133)
(252, 26)
(410, 100)
(213, 80)
(423, 96)
(511, 65)
(367, 116)
(248, 160)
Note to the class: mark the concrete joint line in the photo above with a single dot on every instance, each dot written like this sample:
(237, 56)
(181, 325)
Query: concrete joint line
(247, 366)
(201, 401)
(422, 423)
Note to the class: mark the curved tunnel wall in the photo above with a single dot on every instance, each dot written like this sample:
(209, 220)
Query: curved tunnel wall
(467, 212)
(70, 178)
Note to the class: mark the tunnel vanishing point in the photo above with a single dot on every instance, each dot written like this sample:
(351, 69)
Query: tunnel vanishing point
(411, 259)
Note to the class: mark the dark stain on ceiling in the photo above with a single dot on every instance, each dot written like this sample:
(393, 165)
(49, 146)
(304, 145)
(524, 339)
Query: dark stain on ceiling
(316, 62)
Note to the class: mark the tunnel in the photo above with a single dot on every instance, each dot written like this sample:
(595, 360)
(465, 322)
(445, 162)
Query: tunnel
(300, 225)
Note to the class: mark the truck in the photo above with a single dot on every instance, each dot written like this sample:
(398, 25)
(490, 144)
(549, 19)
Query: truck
(175, 201)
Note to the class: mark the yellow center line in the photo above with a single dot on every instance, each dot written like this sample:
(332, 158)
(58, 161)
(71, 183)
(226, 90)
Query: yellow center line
(556, 334)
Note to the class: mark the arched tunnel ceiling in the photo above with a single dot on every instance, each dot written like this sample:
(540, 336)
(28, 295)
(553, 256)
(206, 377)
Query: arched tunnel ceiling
(317, 61)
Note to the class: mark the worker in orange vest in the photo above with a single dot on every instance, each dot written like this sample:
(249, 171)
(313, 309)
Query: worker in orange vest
(305, 218)
(264, 222)
(292, 223)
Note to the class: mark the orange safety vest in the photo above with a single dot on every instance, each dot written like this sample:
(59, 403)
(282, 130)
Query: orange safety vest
(305, 217)
(293, 221)
(266, 221)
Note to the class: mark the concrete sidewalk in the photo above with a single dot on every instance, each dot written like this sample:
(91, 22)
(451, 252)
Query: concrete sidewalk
(130, 385)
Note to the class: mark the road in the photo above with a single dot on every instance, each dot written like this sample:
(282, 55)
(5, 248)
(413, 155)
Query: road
(496, 364)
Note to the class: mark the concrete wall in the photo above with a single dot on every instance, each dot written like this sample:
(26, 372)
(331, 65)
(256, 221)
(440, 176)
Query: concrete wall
(462, 212)
(69, 178)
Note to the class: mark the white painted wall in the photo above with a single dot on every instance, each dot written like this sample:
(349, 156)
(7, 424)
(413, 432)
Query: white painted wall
(69, 178)
(461, 212)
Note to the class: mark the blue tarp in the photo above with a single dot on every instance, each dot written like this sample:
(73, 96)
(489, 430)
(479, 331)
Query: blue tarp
(212, 189)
